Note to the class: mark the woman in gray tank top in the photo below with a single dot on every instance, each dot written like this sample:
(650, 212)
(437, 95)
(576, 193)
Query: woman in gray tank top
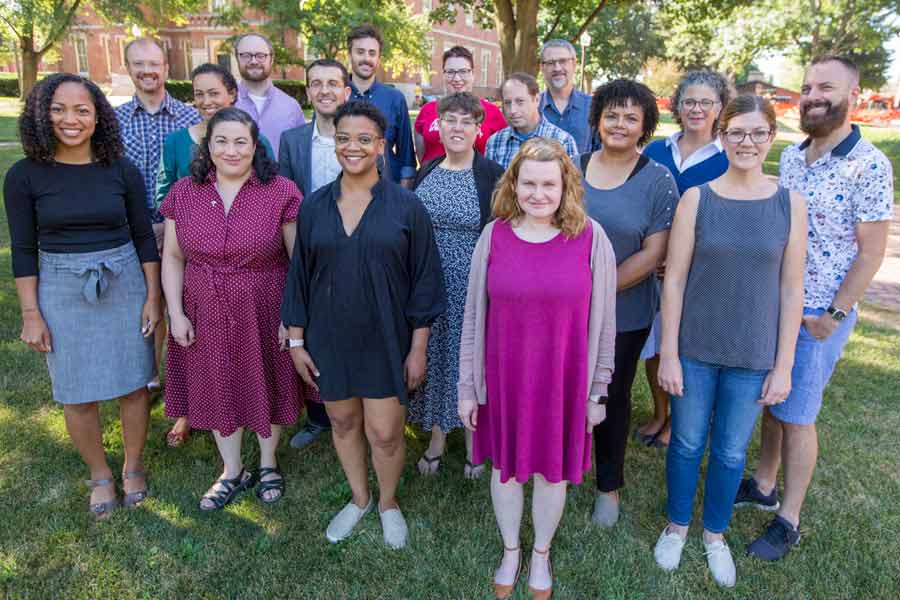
(731, 310)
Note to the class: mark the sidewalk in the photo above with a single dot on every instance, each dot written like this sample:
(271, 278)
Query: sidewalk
(884, 291)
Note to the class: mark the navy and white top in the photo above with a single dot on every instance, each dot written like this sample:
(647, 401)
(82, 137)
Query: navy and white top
(731, 299)
(706, 164)
(854, 183)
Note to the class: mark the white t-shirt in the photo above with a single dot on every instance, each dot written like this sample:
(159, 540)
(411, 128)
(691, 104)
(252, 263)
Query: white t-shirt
(259, 101)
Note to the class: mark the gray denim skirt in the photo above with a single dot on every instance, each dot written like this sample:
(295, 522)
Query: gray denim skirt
(92, 302)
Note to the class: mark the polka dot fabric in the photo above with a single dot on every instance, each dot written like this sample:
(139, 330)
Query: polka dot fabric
(234, 375)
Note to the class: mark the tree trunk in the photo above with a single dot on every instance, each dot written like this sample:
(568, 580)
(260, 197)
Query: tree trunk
(28, 74)
(517, 35)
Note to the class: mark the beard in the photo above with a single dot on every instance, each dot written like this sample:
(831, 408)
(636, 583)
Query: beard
(821, 125)
(261, 75)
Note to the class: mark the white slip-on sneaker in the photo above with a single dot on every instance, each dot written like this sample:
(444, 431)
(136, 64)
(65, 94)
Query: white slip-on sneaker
(394, 526)
(720, 562)
(667, 551)
(343, 523)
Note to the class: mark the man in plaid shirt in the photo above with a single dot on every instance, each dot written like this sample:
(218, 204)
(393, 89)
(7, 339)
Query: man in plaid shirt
(150, 116)
(521, 107)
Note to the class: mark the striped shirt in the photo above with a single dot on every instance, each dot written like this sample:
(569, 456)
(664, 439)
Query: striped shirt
(143, 134)
(504, 144)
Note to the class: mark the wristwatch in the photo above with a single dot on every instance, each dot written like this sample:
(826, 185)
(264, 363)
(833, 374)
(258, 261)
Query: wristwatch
(597, 399)
(295, 343)
(836, 313)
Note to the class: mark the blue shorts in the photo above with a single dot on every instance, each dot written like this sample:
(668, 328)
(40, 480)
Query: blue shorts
(814, 363)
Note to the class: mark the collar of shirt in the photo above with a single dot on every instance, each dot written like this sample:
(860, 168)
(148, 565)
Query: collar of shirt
(523, 137)
(699, 155)
(841, 150)
(575, 102)
(366, 95)
(335, 190)
(318, 138)
(168, 105)
(244, 93)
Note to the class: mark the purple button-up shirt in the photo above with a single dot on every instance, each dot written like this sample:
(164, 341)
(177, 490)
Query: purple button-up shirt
(279, 113)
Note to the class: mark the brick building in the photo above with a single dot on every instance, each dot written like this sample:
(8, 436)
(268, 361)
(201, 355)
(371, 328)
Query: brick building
(96, 50)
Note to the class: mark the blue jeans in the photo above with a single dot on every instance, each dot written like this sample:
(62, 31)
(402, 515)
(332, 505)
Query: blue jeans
(723, 399)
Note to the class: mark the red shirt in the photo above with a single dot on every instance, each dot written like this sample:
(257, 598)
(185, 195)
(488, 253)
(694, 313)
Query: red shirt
(427, 126)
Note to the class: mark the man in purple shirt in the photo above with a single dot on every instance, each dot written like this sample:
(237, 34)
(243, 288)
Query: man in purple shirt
(273, 110)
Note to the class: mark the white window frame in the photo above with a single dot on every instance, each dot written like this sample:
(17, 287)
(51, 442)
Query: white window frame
(82, 39)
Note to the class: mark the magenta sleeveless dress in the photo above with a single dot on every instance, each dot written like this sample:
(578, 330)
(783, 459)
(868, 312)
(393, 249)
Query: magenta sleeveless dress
(539, 298)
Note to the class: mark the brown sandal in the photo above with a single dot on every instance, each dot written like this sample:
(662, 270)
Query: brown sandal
(547, 593)
(102, 510)
(134, 499)
(505, 590)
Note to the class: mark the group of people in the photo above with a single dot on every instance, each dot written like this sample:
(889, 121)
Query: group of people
(508, 282)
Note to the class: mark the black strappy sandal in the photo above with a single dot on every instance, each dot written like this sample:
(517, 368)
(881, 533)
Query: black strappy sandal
(432, 465)
(473, 472)
(102, 510)
(230, 489)
(272, 484)
(134, 498)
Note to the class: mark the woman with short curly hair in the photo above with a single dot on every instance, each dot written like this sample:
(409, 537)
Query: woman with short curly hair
(87, 272)
(229, 235)
(536, 351)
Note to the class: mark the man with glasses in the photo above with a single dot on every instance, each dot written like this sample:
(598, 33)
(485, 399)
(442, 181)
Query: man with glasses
(307, 157)
(274, 111)
(364, 46)
(848, 186)
(144, 123)
(562, 104)
(521, 101)
(458, 77)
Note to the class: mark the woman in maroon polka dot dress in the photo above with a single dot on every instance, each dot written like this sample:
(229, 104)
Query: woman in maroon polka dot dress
(229, 235)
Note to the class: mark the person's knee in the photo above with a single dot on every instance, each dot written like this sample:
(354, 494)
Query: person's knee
(81, 410)
(385, 438)
(345, 423)
(687, 443)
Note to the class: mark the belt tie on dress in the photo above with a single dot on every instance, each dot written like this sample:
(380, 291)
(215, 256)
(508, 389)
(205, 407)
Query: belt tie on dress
(97, 283)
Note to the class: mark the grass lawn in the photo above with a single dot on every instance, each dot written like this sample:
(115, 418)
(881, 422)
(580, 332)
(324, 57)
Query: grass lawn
(49, 546)
(9, 116)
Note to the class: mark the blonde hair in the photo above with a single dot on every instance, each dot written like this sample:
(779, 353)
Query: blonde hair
(570, 216)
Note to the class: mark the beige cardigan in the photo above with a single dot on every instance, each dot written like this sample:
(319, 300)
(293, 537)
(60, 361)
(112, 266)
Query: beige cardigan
(601, 323)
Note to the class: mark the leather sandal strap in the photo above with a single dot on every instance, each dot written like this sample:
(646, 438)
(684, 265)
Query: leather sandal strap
(516, 549)
(93, 483)
(263, 471)
(133, 474)
(541, 552)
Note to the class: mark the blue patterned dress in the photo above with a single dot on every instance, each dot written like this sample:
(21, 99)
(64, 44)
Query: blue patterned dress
(452, 200)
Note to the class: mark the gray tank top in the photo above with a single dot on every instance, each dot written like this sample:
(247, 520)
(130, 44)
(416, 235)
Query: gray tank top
(732, 298)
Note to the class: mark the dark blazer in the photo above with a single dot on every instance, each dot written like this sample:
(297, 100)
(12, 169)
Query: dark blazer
(295, 156)
(487, 174)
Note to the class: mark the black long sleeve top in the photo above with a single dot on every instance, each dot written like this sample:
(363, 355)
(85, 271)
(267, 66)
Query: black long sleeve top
(67, 208)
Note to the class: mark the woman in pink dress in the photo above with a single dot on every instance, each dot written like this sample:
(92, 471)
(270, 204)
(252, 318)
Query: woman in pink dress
(229, 235)
(536, 351)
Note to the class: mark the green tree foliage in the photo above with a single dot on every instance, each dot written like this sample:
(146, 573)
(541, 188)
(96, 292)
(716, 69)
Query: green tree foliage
(324, 25)
(38, 25)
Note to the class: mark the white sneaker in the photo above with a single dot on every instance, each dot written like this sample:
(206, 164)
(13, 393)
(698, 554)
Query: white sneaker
(720, 562)
(343, 523)
(667, 551)
(394, 526)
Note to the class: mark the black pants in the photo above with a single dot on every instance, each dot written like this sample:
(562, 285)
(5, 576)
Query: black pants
(611, 436)
(315, 413)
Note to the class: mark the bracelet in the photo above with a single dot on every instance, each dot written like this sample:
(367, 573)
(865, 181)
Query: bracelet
(30, 309)
(295, 343)
(598, 399)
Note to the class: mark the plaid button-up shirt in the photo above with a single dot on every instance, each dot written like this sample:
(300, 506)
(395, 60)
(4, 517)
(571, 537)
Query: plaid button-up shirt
(504, 144)
(143, 135)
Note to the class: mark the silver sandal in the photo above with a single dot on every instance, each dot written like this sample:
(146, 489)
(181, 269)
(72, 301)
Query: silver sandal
(134, 499)
(102, 510)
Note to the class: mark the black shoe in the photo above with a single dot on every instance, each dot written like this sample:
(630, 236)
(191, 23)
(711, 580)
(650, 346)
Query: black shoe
(749, 495)
(775, 542)
(307, 435)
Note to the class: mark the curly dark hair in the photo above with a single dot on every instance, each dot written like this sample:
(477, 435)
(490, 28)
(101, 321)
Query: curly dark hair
(361, 108)
(36, 130)
(619, 93)
(711, 79)
(263, 166)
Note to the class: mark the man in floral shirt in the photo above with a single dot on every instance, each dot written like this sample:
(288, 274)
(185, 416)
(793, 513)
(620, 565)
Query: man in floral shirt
(848, 185)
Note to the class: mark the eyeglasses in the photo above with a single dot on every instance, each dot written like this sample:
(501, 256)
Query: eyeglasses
(757, 136)
(248, 56)
(453, 123)
(454, 73)
(365, 140)
(556, 62)
(329, 85)
(706, 104)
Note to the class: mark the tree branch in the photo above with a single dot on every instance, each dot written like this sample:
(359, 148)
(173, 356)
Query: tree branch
(61, 28)
(552, 30)
(588, 21)
(11, 26)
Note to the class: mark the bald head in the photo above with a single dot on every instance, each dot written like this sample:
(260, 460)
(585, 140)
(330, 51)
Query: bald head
(148, 48)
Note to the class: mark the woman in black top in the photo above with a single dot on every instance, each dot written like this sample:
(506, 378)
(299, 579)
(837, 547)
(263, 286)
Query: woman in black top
(365, 284)
(87, 272)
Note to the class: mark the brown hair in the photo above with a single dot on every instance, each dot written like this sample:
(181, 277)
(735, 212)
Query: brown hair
(744, 104)
(458, 52)
(362, 32)
(525, 79)
(570, 216)
(462, 102)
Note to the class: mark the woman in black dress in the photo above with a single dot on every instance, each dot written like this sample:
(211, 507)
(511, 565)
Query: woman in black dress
(364, 287)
